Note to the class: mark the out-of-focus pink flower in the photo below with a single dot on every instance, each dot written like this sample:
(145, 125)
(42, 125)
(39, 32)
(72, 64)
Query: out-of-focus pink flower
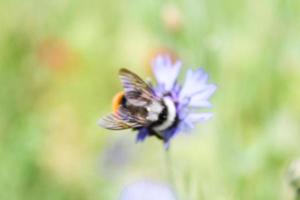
(171, 17)
(55, 53)
(152, 55)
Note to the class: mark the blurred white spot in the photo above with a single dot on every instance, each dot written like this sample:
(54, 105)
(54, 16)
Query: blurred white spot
(147, 190)
(294, 175)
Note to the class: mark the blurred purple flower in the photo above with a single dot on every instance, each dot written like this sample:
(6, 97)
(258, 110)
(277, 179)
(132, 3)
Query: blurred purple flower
(147, 190)
(115, 157)
(192, 95)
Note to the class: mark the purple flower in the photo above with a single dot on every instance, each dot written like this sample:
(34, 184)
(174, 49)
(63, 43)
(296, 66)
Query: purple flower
(188, 98)
(147, 190)
(116, 156)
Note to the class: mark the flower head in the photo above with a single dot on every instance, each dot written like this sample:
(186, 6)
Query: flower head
(162, 110)
(187, 98)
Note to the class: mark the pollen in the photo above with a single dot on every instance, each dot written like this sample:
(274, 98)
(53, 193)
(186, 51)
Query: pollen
(117, 101)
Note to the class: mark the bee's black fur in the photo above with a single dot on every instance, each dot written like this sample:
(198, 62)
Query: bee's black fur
(158, 135)
(124, 101)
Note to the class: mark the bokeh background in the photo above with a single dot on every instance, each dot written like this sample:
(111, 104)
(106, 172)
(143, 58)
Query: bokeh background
(58, 73)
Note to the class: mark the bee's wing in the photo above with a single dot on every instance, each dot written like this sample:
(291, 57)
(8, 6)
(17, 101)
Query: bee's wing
(139, 94)
(140, 120)
(117, 121)
(137, 91)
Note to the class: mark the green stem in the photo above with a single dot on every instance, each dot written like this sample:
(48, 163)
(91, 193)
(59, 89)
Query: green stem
(169, 170)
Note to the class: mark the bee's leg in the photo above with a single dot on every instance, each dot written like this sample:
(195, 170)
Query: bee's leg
(154, 133)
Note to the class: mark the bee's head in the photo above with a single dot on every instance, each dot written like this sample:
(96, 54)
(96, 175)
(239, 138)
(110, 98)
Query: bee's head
(118, 100)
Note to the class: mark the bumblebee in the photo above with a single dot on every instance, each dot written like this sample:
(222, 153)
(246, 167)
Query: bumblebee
(138, 106)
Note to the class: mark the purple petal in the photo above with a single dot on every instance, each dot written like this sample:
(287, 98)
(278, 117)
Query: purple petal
(168, 134)
(201, 99)
(159, 90)
(189, 122)
(166, 72)
(198, 117)
(195, 82)
(142, 134)
(167, 145)
(186, 126)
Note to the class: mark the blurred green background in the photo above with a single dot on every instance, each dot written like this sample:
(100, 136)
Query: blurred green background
(58, 73)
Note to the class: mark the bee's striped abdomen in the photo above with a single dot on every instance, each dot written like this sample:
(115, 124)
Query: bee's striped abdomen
(167, 117)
